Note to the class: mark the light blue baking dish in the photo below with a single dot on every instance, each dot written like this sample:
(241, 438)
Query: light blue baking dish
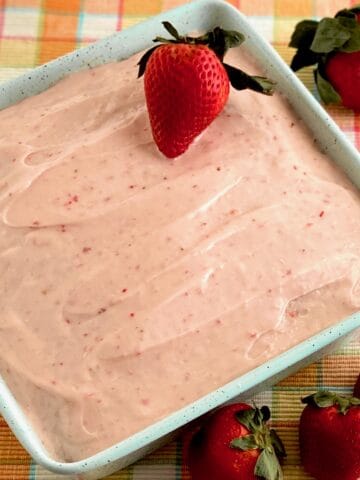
(200, 15)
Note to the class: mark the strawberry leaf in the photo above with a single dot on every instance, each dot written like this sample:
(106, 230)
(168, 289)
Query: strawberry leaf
(353, 44)
(241, 81)
(268, 466)
(244, 443)
(347, 21)
(343, 403)
(303, 34)
(164, 40)
(302, 39)
(327, 92)
(246, 418)
(348, 12)
(144, 59)
(277, 444)
(330, 34)
(304, 58)
(258, 417)
(220, 40)
(262, 85)
(172, 30)
(233, 38)
(265, 412)
(357, 388)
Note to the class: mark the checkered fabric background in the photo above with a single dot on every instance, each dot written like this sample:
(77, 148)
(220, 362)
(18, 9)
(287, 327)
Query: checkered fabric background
(35, 31)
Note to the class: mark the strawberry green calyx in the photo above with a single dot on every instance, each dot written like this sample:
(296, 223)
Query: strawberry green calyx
(263, 438)
(325, 399)
(317, 42)
(217, 39)
(357, 388)
(220, 41)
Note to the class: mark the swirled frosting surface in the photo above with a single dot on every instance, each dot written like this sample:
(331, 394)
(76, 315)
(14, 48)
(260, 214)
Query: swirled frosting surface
(132, 285)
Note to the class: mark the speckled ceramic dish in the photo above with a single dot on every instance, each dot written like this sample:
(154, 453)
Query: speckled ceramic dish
(200, 15)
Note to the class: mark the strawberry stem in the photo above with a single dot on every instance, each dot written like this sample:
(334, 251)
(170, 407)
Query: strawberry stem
(241, 80)
(144, 59)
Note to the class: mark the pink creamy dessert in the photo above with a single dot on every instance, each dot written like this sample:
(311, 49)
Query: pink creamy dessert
(132, 285)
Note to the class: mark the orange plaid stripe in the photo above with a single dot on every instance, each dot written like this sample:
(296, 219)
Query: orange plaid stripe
(58, 28)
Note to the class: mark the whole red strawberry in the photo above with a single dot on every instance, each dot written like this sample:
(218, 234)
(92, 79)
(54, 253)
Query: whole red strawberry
(343, 72)
(236, 444)
(187, 85)
(357, 388)
(190, 82)
(330, 437)
(333, 44)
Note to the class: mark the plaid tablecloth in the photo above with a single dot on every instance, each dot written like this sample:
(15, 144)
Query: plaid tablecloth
(35, 31)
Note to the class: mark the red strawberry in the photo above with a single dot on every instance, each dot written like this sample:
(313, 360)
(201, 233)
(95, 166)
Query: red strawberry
(235, 443)
(333, 44)
(357, 388)
(187, 85)
(180, 103)
(330, 437)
